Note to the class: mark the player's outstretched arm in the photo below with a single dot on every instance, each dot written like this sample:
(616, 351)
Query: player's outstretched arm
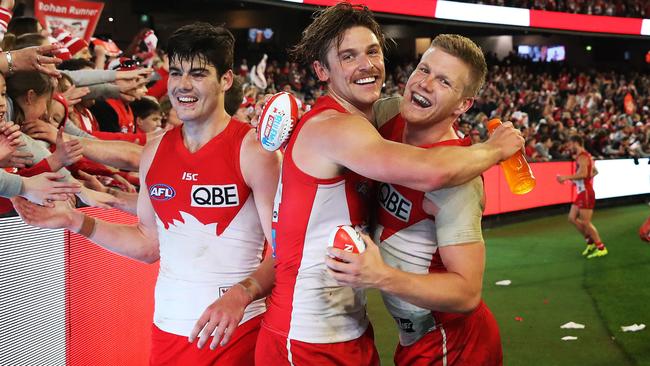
(261, 170)
(353, 142)
(120, 154)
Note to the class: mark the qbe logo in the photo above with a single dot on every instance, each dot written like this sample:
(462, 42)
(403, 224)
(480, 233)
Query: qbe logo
(215, 196)
(161, 192)
(393, 202)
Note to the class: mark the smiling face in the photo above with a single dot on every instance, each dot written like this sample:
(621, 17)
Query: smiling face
(355, 70)
(196, 92)
(435, 91)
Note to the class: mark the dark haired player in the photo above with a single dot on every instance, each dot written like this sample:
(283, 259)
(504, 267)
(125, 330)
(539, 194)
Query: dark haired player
(204, 211)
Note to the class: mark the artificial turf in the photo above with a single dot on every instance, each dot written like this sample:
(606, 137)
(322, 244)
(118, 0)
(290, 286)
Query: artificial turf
(553, 284)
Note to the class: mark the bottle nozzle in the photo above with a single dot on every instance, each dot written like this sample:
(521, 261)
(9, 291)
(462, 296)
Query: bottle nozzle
(493, 124)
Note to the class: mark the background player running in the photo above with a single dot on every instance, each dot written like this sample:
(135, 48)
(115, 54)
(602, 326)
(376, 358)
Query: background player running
(582, 208)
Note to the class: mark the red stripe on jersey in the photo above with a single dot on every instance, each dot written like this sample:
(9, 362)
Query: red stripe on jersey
(207, 184)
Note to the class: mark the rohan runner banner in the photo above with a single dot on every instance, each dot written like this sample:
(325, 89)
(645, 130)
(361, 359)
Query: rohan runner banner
(77, 17)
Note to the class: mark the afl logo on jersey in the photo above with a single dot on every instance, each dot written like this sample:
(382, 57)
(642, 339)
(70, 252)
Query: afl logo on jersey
(161, 192)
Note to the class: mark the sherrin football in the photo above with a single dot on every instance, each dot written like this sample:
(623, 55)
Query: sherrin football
(277, 120)
(344, 237)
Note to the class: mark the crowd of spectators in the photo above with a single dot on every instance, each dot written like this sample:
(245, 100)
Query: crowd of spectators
(619, 8)
(548, 102)
(82, 121)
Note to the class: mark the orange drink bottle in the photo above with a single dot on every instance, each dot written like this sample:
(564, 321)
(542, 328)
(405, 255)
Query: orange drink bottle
(518, 174)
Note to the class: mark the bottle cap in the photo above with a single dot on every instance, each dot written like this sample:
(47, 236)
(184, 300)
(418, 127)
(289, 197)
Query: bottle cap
(493, 124)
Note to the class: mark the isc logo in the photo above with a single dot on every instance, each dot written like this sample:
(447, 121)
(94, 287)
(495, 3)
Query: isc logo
(161, 192)
(215, 196)
(393, 201)
(190, 176)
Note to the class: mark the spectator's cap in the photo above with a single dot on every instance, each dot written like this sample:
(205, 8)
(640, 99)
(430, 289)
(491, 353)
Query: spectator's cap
(60, 33)
(542, 121)
(646, 108)
(111, 48)
(63, 53)
(123, 64)
(639, 124)
(72, 43)
(75, 45)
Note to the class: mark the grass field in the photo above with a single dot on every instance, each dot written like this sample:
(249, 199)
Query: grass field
(553, 284)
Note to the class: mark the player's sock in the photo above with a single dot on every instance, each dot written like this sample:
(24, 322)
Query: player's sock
(588, 239)
(600, 245)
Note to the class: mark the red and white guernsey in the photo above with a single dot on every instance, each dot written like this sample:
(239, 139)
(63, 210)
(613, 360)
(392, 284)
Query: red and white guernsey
(410, 238)
(208, 227)
(306, 303)
(586, 184)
